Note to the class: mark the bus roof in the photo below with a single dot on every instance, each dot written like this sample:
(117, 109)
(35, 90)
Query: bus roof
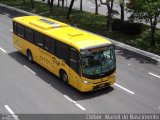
(70, 35)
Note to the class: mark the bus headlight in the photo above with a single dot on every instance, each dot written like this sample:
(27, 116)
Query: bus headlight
(86, 82)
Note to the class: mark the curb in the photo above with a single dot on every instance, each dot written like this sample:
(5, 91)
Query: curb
(122, 45)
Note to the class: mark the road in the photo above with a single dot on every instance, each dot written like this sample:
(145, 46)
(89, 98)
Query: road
(27, 88)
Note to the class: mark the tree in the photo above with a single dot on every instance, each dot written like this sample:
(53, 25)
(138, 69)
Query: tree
(96, 5)
(24, 2)
(109, 4)
(70, 9)
(58, 3)
(148, 10)
(48, 1)
(96, 9)
(62, 6)
(122, 9)
(51, 5)
(32, 4)
(81, 5)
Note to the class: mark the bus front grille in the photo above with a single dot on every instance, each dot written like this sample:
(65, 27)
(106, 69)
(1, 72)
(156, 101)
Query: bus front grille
(101, 86)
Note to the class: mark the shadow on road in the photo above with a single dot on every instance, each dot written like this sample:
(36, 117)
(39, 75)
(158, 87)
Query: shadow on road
(128, 54)
(55, 82)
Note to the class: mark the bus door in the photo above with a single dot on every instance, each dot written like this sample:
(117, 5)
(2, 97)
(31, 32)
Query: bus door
(74, 67)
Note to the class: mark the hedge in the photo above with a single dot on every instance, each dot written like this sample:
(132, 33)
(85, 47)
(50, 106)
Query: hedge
(127, 27)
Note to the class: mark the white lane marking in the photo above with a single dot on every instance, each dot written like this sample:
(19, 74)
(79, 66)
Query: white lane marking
(29, 70)
(11, 30)
(78, 105)
(129, 64)
(124, 88)
(68, 98)
(154, 75)
(11, 112)
(3, 50)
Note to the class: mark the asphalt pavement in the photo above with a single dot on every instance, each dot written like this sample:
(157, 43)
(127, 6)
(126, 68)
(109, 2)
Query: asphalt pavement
(27, 88)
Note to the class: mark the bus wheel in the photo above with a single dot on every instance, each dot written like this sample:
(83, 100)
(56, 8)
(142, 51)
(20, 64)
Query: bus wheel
(29, 56)
(64, 77)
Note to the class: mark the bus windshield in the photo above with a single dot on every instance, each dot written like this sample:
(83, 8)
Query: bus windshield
(98, 63)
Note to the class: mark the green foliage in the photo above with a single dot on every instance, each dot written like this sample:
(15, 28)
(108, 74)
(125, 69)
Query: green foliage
(143, 43)
(127, 27)
(148, 10)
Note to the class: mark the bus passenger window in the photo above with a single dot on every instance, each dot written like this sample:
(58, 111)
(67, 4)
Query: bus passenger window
(20, 30)
(74, 60)
(29, 34)
(15, 27)
(62, 51)
(38, 38)
(49, 44)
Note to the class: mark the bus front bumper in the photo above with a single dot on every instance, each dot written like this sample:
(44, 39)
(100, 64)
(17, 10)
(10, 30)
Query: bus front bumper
(93, 87)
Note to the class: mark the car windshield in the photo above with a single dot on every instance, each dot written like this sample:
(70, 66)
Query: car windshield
(98, 62)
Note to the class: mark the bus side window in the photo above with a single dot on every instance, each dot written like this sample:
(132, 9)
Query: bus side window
(15, 27)
(62, 51)
(29, 34)
(38, 39)
(74, 62)
(49, 44)
(20, 31)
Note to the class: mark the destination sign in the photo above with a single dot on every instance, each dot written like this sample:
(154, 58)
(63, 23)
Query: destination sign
(89, 51)
(98, 49)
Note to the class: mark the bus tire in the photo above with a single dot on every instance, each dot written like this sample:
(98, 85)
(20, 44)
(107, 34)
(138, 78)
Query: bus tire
(29, 56)
(64, 76)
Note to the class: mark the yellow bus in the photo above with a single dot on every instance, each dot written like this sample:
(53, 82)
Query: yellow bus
(81, 59)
